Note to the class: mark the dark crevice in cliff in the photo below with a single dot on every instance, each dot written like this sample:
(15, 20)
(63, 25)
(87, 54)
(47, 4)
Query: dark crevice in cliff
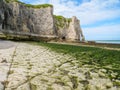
(4, 24)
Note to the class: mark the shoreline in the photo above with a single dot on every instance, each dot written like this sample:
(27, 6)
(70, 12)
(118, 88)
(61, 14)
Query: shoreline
(105, 41)
(99, 43)
(10, 43)
(102, 44)
(109, 46)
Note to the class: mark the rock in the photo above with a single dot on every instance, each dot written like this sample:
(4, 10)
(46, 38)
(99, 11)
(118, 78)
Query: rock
(74, 31)
(94, 75)
(101, 83)
(65, 79)
(103, 70)
(109, 85)
(56, 87)
(4, 60)
(33, 87)
(36, 23)
(117, 83)
(101, 74)
(113, 75)
(91, 87)
(66, 88)
(87, 75)
(69, 84)
(25, 87)
(100, 87)
(80, 87)
(68, 29)
(84, 82)
(74, 81)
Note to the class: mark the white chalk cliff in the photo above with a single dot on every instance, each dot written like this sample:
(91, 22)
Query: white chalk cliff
(24, 21)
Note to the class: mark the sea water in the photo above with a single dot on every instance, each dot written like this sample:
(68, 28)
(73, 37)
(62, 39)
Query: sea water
(108, 41)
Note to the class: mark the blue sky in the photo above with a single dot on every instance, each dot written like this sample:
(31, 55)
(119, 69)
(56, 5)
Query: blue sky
(99, 19)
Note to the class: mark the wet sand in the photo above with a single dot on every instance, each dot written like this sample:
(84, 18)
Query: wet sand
(4, 44)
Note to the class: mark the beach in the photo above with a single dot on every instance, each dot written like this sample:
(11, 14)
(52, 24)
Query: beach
(30, 66)
(4, 44)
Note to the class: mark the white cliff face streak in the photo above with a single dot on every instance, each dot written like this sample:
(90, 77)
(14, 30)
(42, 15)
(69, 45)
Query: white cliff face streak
(18, 20)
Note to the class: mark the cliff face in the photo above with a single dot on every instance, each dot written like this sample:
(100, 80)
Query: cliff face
(1, 13)
(68, 28)
(18, 19)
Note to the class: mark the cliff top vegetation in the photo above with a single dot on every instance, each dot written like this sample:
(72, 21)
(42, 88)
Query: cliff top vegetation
(62, 18)
(30, 5)
(61, 21)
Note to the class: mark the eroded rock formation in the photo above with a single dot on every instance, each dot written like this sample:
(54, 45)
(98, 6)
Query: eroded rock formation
(68, 28)
(19, 20)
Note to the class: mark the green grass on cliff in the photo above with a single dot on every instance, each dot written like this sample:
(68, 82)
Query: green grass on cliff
(30, 5)
(61, 21)
(92, 56)
(62, 18)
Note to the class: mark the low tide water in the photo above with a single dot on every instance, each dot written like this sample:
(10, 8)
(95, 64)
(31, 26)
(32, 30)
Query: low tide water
(109, 41)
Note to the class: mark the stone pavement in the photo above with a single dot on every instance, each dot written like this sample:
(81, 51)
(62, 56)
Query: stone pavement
(32, 67)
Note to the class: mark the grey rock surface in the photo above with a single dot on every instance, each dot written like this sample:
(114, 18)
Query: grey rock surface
(18, 21)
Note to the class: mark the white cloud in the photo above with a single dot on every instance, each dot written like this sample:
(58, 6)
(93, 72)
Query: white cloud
(88, 11)
(91, 12)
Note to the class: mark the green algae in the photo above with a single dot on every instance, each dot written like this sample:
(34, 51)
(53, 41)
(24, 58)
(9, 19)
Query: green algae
(61, 21)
